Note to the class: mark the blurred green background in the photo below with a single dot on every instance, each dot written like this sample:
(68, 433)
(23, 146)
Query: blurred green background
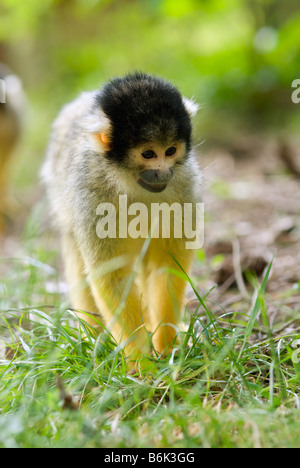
(237, 58)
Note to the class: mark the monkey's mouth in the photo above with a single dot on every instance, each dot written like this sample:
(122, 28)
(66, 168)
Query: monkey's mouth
(152, 187)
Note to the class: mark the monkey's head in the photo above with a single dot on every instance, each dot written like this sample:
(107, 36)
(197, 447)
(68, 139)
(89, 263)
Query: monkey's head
(146, 128)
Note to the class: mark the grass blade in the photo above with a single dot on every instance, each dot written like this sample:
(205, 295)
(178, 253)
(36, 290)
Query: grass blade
(255, 309)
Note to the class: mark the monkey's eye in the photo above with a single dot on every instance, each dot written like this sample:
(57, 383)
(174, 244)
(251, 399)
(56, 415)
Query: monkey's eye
(149, 154)
(170, 151)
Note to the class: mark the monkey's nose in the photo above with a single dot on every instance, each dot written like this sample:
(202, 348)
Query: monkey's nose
(155, 176)
(155, 180)
(163, 176)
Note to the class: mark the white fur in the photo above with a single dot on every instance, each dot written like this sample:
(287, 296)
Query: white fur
(191, 106)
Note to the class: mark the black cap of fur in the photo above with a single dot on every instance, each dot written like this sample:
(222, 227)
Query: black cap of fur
(143, 108)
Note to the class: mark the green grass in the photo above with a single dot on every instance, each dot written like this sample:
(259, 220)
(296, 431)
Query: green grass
(231, 382)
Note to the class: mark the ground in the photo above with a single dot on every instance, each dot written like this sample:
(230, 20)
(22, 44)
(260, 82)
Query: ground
(252, 205)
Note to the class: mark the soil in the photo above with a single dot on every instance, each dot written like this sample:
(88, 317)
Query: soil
(252, 205)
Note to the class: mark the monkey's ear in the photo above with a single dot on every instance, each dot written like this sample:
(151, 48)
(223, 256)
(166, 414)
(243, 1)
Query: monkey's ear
(104, 139)
(191, 106)
(96, 122)
(98, 127)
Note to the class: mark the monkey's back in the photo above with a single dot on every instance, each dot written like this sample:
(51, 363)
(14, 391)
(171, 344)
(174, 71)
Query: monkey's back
(62, 166)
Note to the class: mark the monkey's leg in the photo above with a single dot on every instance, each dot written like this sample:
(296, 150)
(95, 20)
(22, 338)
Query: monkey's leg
(166, 293)
(79, 290)
(120, 305)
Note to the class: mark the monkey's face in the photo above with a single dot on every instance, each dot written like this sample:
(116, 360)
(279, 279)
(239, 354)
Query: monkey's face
(155, 163)
(144, 129)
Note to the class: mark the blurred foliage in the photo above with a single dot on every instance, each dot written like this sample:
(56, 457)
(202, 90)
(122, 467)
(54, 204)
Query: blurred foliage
(236, 57)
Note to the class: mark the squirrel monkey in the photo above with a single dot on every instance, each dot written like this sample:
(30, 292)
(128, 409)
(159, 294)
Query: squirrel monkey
(132, 137)
(11, 109)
